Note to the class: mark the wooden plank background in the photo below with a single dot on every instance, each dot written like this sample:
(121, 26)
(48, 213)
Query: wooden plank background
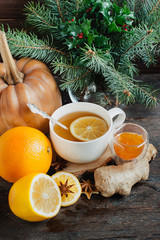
(12, 14)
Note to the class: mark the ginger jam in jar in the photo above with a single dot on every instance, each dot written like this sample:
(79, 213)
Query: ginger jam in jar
(128, 145)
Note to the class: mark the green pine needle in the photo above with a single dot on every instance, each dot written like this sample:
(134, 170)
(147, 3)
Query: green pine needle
(29, 45)
(41, 18)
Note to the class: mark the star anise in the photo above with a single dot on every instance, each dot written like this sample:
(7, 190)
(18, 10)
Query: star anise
(65, 188)
(88, 188)
(59, 164)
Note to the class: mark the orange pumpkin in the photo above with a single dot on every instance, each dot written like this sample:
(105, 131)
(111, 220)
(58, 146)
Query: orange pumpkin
(21, 82)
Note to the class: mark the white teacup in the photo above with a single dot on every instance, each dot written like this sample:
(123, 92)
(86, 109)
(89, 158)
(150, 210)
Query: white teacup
(84, 152)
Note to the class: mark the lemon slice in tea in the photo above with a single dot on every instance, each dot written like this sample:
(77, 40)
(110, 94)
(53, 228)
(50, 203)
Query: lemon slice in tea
(88, 128)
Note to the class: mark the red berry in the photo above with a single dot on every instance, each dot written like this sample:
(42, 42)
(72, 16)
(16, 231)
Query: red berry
(71, 37)
(89, 9)
(124, 25)
(126, 29)
(72, 19)
(80, 36)
(69, 21)
(81, 33)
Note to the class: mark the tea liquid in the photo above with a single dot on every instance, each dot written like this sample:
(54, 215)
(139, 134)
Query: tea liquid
(67, 120)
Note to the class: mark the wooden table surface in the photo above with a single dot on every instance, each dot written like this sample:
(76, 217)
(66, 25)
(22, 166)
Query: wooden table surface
(136, 216)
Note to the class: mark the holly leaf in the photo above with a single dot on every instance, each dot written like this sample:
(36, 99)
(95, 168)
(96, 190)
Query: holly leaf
(113, 28)
(126, 10)
(90, 38)
(74, 30)
(71, 43)
(129, 22)
(101, 42)
(86, 26)
(120, 20)
(116, 9)
(87, 32)
(105, 6)
(105, 10)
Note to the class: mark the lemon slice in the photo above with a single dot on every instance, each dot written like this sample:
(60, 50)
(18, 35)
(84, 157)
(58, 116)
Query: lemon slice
(35, 197)
(69, 186)
(88, 128)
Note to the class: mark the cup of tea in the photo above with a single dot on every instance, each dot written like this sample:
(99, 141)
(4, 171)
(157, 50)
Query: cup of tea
(72, 149)
(128, 142)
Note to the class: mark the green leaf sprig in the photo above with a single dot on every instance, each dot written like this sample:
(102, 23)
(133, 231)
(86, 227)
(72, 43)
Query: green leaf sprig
(95, 23)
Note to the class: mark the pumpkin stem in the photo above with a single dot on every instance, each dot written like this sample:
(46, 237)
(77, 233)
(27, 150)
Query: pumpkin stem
(12, 75)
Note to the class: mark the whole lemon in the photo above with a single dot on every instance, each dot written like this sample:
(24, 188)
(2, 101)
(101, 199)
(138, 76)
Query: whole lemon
(24, 150)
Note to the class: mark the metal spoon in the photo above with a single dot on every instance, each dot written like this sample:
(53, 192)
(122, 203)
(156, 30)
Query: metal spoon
(35, 109)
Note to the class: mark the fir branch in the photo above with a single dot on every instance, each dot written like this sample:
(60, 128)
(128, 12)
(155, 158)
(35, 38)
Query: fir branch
(154, 23)
(153, 19)
(79, 82)
(127, 67)
(41, 18)
(77, 7)
(143, 9)
(24, 45)
(72, 75)
(59, 65)
(128, 90)
(143, 44)
(145, 95)
(135, 5)
(149, 57)
(136, 43)
(55, 7)
(154, 8)
(62, 9)
(77, 79)
(120, 88)
(96, 60)
(59, 9)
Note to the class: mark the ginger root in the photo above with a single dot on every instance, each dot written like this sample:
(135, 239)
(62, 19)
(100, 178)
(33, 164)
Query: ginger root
(120, 179)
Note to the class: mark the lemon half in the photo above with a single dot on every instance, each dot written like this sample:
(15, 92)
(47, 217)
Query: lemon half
(35, 197)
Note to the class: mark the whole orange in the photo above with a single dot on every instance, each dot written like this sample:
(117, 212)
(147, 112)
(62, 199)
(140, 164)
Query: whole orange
(24, 150)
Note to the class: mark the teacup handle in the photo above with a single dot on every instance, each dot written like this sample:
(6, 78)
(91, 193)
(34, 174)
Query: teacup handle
(120, 116)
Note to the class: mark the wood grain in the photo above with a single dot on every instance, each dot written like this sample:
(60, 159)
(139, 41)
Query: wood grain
(11, 9)
(12, 13)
